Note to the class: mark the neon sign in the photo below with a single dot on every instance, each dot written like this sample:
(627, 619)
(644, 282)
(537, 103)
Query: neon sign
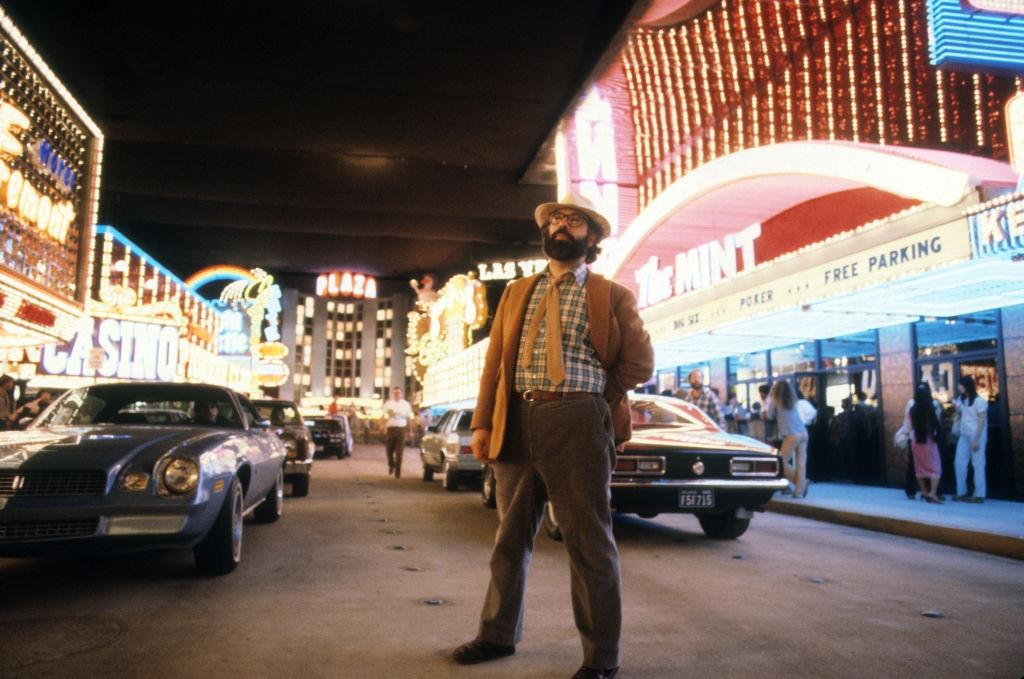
(444, 327)
(507, 271)
(127, 350)
(998, 228)
(1000, 6)
(978, 37)
(1015, 131)
(233, 338)
(346, 284)
(595, 156)
(697, 268)
(38, 209)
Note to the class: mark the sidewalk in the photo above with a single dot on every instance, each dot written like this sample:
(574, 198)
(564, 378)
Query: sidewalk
(995, 527)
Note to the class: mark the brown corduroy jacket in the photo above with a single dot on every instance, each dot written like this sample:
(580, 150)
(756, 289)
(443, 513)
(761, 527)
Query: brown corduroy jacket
(616, 332)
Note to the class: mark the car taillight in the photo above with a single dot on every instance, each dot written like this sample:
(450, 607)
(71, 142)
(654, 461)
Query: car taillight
(626, 464)
(648, 466)
(751, 466)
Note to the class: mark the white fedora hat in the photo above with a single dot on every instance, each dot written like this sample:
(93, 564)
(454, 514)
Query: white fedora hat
(573, 201)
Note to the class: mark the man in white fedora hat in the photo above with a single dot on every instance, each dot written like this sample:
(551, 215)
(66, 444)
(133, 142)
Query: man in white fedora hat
(565, 347)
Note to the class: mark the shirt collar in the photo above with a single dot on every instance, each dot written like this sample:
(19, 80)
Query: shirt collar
(579, 273)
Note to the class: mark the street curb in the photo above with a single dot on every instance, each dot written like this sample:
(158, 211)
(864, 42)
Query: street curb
(990, 543)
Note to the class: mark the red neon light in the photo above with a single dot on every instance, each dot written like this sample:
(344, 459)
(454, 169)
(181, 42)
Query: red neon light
(346, 284)
(33, 313)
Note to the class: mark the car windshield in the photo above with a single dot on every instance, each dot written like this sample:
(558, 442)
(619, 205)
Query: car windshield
(135, 404)
(656, 413)
(279, 413)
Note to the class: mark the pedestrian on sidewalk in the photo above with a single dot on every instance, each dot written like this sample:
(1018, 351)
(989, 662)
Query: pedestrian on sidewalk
(782, 406)
(920, 418)
(565, 347)
(397, 412)
(970, 423)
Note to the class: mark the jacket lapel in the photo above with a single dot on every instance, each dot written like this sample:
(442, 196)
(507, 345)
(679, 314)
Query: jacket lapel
(598, 303)
(514, 321)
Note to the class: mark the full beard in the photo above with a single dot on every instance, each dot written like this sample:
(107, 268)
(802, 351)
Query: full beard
(563, 250)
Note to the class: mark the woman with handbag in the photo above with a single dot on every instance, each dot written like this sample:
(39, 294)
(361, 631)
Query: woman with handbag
(923, 424)
(971, 425)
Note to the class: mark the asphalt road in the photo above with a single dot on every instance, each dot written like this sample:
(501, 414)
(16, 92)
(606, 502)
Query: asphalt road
(339, 588)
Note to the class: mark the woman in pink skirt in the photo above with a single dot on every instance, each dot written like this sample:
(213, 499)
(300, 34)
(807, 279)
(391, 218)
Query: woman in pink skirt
(922, 421)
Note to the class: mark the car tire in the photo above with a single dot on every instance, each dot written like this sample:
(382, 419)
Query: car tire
(428, 472)
(550, 524)
(220, 551)
(723, 526)
(450, 477)
(489, 488)
(271, 508)
(300, 486)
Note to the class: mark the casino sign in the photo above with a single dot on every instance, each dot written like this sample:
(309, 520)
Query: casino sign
(50, 156)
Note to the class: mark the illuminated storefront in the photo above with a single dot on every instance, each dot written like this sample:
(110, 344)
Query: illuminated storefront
(817, 192)
(142, 323)
(797, 193)
(50, 159)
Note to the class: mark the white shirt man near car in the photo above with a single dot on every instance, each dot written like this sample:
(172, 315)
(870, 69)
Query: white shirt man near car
(397, 412)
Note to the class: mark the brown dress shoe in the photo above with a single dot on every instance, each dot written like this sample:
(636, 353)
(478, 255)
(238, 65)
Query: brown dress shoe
(480, 650)
(585, 672)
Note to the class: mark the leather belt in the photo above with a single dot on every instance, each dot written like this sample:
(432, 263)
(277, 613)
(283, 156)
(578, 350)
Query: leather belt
(537, 395)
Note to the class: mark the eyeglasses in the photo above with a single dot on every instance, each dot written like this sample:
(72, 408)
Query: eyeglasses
(573, 220)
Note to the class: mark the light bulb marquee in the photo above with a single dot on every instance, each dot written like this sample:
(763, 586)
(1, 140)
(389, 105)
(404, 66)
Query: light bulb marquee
(50, 159)
(747, 73)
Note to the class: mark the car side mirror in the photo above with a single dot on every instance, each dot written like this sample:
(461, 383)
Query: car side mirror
(263, 424)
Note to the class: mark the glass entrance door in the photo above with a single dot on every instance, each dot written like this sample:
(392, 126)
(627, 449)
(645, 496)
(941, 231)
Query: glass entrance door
(853, 428)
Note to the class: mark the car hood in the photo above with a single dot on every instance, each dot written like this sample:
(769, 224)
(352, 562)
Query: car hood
(94, 446)
(708, 439)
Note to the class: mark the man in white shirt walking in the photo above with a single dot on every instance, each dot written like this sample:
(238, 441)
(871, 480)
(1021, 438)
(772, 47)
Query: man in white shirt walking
(397, 411)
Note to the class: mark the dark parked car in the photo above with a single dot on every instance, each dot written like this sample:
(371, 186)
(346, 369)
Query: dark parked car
(679, 461)
(286, 422)
(444, 449)
(331, 435)
(105, 468)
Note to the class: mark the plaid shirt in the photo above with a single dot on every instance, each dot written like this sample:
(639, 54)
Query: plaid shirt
(708, 402)
(583, 371)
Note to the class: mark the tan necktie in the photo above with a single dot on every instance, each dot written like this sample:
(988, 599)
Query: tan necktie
(553, 334)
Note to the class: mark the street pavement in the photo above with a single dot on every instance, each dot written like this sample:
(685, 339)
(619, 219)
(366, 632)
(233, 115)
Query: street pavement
(373, 577)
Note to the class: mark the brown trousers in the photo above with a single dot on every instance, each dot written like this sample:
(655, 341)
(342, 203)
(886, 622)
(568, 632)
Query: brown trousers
(394, 444)
(560, 452)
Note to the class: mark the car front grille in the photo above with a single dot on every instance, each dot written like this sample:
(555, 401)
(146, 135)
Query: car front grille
(52, 483)
(42, 530)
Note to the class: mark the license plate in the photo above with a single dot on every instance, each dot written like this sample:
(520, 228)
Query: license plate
(697, 499)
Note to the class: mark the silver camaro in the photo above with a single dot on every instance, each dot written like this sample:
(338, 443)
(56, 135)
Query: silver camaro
(105, 469)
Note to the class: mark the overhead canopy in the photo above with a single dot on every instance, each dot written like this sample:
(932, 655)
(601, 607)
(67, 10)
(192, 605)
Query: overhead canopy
(731, 193)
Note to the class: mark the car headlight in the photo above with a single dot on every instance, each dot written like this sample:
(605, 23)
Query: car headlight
(180, 475)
